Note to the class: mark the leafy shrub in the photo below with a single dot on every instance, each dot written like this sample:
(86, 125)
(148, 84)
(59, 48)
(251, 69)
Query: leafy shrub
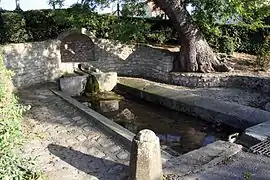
(263, 57)
(13, 28)
(226, 45)
(11, 165)
(245, 38)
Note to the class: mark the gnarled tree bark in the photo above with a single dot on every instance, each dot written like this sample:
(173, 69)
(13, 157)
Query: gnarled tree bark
(195, 54)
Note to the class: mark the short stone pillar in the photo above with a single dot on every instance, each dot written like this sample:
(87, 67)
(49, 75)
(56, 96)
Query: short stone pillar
(145, 157)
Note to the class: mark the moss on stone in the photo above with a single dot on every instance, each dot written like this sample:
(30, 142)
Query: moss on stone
(92, 86)
(105, 96)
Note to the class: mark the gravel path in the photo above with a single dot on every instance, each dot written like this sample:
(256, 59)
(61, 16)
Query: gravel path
(66, 144)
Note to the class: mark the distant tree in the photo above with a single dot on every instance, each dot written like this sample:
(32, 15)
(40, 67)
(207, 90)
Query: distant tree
(97, 3)
(82, 7)
(56, 3)
(18, 7)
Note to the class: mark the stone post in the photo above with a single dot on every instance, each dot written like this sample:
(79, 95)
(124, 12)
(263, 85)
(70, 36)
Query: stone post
(145, 157)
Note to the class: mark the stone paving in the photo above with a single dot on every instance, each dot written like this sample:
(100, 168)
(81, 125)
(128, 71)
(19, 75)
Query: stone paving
(66, 144)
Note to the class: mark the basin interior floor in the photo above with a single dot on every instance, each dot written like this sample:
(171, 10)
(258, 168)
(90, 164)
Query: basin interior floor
(180, 132)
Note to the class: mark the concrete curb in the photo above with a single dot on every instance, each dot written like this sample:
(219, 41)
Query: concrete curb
(201, 159)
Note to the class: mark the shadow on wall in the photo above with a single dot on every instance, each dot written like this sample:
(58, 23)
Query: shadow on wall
(32, 63)
(77, 48)
(107, 55)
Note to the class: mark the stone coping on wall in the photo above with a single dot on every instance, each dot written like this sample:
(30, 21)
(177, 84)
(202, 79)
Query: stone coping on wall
(230, 113)
(201, 159)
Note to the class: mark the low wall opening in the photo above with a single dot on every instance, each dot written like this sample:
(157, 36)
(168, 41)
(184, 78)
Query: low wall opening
(77, 47)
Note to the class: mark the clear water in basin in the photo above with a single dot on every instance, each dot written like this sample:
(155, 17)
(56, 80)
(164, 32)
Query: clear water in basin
(178, 131)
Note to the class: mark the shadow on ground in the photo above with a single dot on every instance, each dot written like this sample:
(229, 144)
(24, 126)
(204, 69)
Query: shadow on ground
(95, 166)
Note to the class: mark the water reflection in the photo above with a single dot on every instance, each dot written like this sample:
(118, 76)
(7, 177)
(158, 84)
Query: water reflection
(169, 139)
(179, 131)
(190, 140)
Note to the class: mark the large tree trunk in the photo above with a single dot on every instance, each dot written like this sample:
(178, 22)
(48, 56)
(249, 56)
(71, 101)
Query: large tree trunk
(195, 53)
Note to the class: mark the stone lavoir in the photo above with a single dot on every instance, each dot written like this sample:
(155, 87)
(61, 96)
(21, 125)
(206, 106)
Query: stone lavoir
(178, 132)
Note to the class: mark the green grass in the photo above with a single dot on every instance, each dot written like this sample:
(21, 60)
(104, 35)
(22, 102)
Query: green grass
(12, 166)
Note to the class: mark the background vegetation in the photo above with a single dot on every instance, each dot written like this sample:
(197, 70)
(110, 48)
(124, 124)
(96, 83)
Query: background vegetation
(39, 25)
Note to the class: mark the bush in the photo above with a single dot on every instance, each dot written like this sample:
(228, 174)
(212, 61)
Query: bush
(245, 38)
(11, 165)
(13, 28)
(263, 58)
(226, 45)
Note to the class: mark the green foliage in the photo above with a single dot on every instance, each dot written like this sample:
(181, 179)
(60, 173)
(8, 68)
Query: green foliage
(263, 58)
(13, 28)
(226, 45)
(11, 165)
(245, 38)
(131, 31)
(54, 3)
(247, 175)
(208, 13)
(39, 25)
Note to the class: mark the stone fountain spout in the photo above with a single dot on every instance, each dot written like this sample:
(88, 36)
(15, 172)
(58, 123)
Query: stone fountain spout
(105, 81)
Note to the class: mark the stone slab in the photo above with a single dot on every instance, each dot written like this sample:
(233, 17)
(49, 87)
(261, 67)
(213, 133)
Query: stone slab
(213, 110)
(237, 167)
(106, 81)
(201, 159)
(260, 132)
(73, 85)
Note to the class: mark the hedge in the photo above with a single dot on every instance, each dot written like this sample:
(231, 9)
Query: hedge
(39, 25)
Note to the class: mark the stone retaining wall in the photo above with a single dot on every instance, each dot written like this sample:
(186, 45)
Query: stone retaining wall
(238, 80)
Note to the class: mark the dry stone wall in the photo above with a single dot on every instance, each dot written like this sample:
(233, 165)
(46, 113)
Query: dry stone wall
(38, 62)
(231, 79)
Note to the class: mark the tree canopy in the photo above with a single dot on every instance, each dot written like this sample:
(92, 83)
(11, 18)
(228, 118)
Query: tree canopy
(55, 3)
(195, 53)
(207, 12)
